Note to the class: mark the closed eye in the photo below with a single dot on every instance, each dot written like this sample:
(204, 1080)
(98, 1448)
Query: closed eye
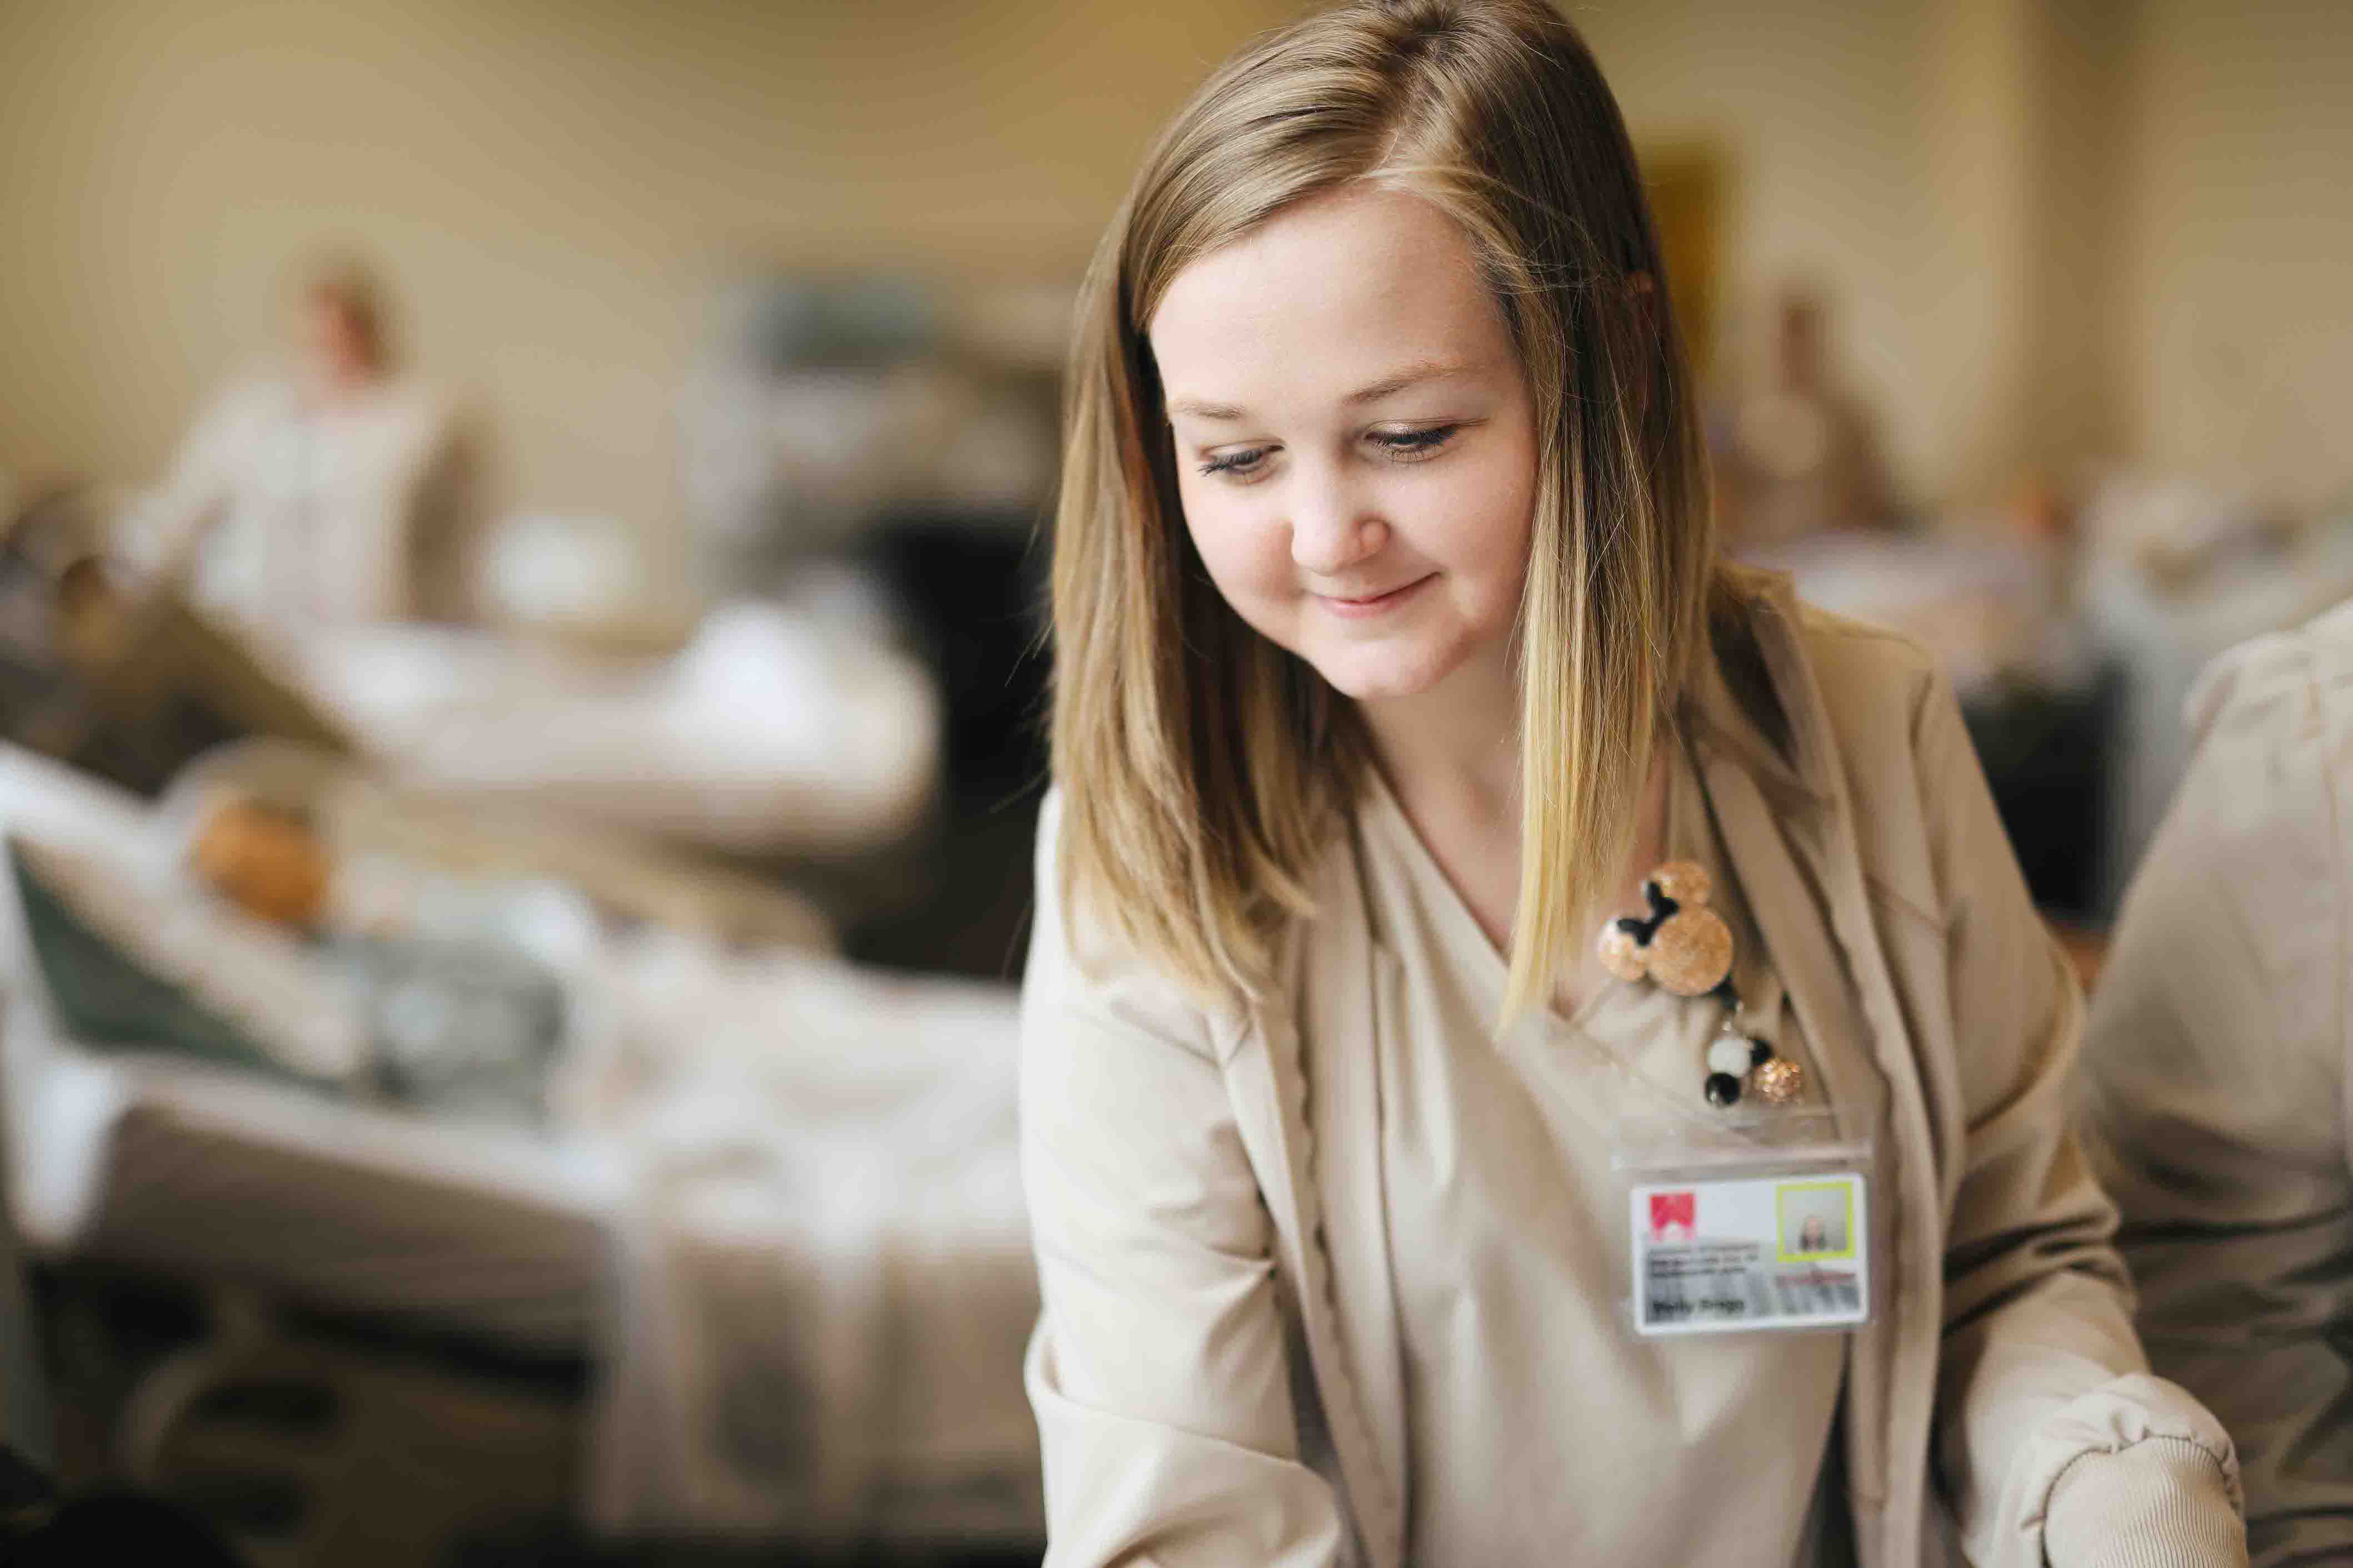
(1413, 445)
(1241, 464)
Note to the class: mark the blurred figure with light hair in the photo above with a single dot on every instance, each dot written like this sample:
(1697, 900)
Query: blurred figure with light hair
(326, 492)
(1799, 453)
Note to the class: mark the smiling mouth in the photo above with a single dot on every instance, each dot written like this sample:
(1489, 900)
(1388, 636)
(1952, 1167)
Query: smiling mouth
(1373, 603)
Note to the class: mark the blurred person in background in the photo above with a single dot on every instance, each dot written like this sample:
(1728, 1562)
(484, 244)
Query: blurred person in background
(326, 491)
(1798, 451)
(2216, 1080)
(1392, 644)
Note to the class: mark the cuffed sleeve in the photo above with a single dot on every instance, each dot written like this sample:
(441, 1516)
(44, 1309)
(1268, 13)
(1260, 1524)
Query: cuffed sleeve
(2156, 1502)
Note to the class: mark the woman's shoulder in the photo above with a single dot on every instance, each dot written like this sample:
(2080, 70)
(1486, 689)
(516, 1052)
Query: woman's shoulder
(257, 392)
(2274, 690)
(1828, 690)
(1081, 968)
(1870, 721)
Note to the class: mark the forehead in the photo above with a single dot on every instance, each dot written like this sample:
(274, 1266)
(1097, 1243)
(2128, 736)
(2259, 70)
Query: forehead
(1324, 297)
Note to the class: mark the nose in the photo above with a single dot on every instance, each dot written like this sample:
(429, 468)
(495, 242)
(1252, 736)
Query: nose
(1333, 527)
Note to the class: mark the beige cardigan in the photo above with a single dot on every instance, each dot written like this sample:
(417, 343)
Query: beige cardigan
(2219, 1076)
(1216, 1368)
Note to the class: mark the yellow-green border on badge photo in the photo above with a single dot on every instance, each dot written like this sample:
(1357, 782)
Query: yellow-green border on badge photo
(1782, 1191)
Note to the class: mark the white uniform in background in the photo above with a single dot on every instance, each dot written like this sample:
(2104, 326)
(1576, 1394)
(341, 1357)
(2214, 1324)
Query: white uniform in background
(292, 514)
(2218, 1082)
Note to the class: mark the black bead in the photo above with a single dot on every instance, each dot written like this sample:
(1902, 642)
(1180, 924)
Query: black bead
(1721, 1088)
(1759, 1052)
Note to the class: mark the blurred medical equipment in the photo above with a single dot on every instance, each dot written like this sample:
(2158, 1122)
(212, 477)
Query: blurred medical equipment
(821, 406)
(117, 676)
(2072, 634)
(2174, 573)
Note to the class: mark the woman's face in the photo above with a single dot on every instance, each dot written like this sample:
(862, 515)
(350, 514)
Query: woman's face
(1355, 444)
(335, 349)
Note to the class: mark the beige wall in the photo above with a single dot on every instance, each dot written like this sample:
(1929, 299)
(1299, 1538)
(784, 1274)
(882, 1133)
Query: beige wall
(2067, 232)
(551, 185)
(2062, 228)
(2237, 345)
(1817, 107)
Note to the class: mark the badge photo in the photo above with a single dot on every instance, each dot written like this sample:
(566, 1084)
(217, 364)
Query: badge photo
(1739, 1254)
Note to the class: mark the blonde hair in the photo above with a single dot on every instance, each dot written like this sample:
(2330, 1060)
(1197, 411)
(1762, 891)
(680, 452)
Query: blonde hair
(1203, 768)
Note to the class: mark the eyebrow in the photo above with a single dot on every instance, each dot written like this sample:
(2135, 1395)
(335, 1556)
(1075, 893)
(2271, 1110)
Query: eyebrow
(1413, 374)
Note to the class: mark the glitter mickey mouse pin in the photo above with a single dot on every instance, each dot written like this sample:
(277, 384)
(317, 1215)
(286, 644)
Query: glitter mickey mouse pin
(1686, 947)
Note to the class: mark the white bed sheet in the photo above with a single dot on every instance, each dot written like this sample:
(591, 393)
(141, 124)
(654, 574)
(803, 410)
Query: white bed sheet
(782, 1211)
(767, 734)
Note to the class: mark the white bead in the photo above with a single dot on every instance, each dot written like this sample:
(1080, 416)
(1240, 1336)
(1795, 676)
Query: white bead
(1728, 1054)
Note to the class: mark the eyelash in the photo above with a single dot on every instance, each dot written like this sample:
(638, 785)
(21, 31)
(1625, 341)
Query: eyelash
(1402, 446)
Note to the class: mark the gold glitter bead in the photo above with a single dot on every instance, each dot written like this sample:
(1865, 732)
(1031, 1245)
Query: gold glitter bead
(1778, 1082)
(1622, 955)
(1692, 953)
(1686, 882)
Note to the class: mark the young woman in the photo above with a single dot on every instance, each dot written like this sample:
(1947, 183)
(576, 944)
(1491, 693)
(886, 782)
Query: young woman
(1393, 658)
(325, 492)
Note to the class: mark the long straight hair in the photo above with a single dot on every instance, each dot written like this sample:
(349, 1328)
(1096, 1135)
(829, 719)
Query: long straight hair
(1202, 768)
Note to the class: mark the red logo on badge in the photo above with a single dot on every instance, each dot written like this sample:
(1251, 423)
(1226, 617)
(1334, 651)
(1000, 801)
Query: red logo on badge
(1673, 1216)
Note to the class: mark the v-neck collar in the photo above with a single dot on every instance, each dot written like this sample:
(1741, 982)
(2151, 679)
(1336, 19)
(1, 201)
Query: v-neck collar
(1460, 930)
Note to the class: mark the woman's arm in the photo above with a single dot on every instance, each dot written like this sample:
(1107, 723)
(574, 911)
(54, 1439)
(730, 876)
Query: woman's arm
(2051, 1436)
(1158, 1370)
(163, 535)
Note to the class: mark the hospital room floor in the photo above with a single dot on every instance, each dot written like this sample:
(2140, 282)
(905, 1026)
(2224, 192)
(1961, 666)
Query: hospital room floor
(106, 1328)
(545, 1551)
(560, 1554)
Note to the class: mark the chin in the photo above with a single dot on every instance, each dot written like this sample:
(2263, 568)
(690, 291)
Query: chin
(1384, 674)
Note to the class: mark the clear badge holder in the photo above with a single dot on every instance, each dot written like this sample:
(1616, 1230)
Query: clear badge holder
(1743, 1218)
(1752, 1219)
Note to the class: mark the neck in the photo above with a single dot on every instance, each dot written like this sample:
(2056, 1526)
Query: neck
(1456, 745)
(334, 385)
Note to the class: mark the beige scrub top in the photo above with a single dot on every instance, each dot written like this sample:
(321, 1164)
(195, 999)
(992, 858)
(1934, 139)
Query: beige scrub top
(1506, 1222)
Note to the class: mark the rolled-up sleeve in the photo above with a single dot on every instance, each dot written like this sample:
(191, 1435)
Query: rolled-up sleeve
(1159, 1370)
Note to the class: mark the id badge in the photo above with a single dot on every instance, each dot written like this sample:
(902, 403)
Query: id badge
(1760, 1252)
(1771, 1235)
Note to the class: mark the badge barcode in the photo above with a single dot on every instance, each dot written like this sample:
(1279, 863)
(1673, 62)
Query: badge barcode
(1815, 1294)
(1734, 1296)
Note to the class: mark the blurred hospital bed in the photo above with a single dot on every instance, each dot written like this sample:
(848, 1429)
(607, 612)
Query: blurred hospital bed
(768, 735)
(771, 732)
(771, 1201)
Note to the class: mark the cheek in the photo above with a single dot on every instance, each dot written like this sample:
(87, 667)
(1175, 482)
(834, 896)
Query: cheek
(1243, 555)
(1480, 527)
(1512, 509)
